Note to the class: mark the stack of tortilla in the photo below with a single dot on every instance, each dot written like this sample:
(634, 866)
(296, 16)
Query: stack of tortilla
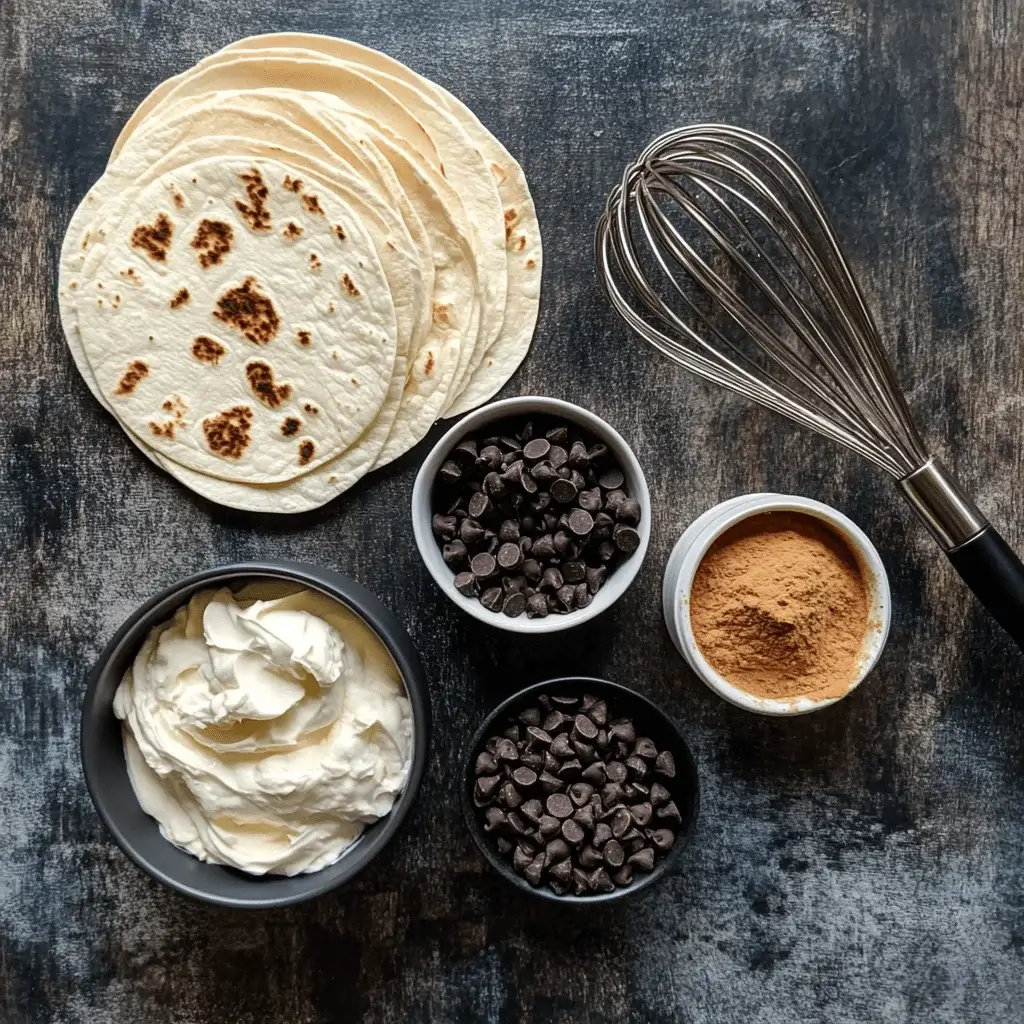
(300, 256)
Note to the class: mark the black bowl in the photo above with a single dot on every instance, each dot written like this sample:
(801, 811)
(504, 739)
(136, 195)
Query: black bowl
(106, 773)
(650, 721)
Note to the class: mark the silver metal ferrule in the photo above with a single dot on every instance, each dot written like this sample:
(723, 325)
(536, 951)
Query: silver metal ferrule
(942, 504)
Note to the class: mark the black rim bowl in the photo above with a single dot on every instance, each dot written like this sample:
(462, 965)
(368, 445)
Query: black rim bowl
(650, 721)
(138, 835)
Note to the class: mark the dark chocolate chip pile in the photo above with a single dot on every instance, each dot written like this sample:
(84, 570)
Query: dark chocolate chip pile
(576, 799)
(531, 516)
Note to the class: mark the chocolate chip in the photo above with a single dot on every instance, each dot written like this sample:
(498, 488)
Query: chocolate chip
(479, 505)
(589, 858)
(486, 764)
(564, 491)
(665, 765)
(578, 457)
(560, 806)
(558, 456)
(535, 450)
(601, 882)
(663, 838)
(557, 850)
(518, 825)
(492, 599)
(643, 860)
(623, 731)
(505, 750)
(532, 811)
(584, 751)
(598, 713)
(444, 526)
(580, 793)
(616, 771)
(580, 881)
(624, 876)
(583, 728)
(471, 532)
(483, 565)
(669, 813)
(537, 735)
(534, 870)
(573, 832)
(515, 604)
(626, 538)
(585, 816)
(611, 478)
(628, 511)
(566, 596)
(614, 854)
(487, 786)
(549, 826)
(561, 747)
(558, 435)
(537, 606)
(490, 457)
(659, 794)
(595, 773)
(494, 487)
(641, 813)
(551, 783)
(602, 833)
(524, 777)
(560, 872)
(570, 770)
(494, 818)
(646, 749)
(637, 766)
(543, 547)
(612, 793)
(621, 822)
(509, 795)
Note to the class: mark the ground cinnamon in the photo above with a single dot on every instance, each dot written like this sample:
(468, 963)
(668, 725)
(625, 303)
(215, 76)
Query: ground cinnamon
(779, 607)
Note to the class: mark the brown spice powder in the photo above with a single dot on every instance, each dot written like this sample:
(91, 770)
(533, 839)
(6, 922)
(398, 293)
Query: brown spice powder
(779, 607)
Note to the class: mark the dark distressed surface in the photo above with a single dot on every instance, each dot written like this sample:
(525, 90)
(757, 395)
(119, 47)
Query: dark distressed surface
(863, 864)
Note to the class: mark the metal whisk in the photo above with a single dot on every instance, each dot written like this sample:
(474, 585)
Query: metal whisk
(716, 250)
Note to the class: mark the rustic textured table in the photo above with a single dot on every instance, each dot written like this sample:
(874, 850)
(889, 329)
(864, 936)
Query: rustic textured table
(863, 864)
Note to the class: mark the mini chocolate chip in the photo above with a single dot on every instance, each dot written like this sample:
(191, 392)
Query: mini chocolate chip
(535, 450)
(566, 596)
(528, 484)
(626, 538)
(585, 816)
(663, 838)
(531, 570)
(659, 794)
(665, 765)
(580, 881)
(578, 457)
(573, 832)
(556, 721)
(584, 751)
(612, 501)
(524, 777)
(641, 813)
(483, 565)
(595, 773)
(454, 554)
(563, 491)
(669, 813)
(628, 511)
(589, 858)
(559, 805)
(621, 822)
(551, 579)
(494, 487)
(611, 478)
(543, 547)
(624, 731)
(582, 597)
(485, 764)
(537, 606)
(580, 793)
(614, 855)
(557, 850)
(509, 795)
(532, 811)
(561, 747)
(560, 872)
(570, 770)
(548, 826)
(509, 556)
(643, 860)
(602, 833)
(645, 748)
(558, 435)
(551, 783)
(443, 526)
(471, 532)
(492, 599)
(490, 456)
(637, 766)
(450, 472)
(558, 456)
(616, 771)
(494, 818)
(600, 881)
(537, 735)
(515, 604)
(583, 728)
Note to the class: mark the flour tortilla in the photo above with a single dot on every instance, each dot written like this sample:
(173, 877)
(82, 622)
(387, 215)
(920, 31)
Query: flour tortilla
(463, 172)
(176, 406)
(491, 364)
(394, 246)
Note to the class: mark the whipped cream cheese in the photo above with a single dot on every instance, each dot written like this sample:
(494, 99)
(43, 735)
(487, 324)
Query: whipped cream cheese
(265, 730)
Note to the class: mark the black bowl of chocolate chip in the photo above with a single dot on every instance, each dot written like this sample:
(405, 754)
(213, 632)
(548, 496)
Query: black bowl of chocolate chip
(532, 514)
(580, 790)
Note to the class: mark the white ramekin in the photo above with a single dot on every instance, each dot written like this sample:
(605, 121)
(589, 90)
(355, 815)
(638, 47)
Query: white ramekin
(618, 580)
(705, 530)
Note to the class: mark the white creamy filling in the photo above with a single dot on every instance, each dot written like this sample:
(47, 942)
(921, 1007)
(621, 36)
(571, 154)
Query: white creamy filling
(265, 734)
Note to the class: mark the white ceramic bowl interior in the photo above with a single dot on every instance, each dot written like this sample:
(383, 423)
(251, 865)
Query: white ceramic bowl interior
(618, 580)
(705, 530)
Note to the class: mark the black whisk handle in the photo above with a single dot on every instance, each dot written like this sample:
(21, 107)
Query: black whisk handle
(993, 571)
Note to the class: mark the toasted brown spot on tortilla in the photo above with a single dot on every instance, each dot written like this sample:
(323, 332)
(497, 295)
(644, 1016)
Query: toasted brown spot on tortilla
(116, 301)
(442, 313)
(530, 264)
(311, 409)
(248, 312)
(350, 285)
(314, 261)
(255, 211)
(312, 204)
(340, 232)
(99, 302)
(175, 408)
(305, 338)
(332, 479)
(212, 242)
(428, 366)
(499, 172)
(292, 184)
(179, 200)
(290, 426)
(228, 433)
(154, 239)
(128, 272)
(181, 296)
(134, 373)
(261, 379)
(354, 381)
(519, 243)
(292, 230)
(511, 216)
(330, 307)
(306, 451)
(206, 350)
(165, 429)
(390, 245)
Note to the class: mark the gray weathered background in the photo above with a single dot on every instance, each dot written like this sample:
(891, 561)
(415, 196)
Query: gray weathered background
(864, 864)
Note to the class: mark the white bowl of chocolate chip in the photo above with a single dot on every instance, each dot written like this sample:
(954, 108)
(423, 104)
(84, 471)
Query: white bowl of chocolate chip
(532, 514)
